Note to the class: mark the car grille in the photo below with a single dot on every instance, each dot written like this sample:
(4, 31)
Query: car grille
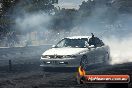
(55, 56)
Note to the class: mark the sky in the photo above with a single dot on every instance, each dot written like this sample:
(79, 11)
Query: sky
(70, 3)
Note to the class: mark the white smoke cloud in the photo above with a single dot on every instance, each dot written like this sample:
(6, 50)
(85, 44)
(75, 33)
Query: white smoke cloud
(116, 32)
(34, 26)
(120, 49)
(119, 27)
(31, 22)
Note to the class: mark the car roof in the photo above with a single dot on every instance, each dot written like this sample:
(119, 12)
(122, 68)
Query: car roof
(78, 37)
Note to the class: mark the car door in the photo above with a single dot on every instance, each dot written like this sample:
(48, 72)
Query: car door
(99, 51)
(91, 56)
(99, 54)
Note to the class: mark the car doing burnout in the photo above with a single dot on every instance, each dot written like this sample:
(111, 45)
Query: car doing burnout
(75, 51)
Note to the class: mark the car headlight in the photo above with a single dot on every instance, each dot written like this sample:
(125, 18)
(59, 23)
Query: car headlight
(45, 56)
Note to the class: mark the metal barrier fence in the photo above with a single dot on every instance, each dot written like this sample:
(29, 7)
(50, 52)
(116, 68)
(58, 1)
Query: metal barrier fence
(21, 55)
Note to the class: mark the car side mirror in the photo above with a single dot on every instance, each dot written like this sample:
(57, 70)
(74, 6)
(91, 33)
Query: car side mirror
(92, 46)
(89, 47)
(53, 46)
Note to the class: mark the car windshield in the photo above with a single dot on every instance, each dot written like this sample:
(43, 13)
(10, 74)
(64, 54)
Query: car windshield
(75, 43)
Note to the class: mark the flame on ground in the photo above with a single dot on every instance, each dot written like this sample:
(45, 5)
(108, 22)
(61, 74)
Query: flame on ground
(81, 71)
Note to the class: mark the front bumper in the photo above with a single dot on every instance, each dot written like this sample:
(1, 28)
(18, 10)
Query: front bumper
(65, 62)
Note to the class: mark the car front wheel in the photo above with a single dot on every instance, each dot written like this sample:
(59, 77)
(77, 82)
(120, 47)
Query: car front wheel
(83, 61)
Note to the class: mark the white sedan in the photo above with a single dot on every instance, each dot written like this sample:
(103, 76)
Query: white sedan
(75, 51)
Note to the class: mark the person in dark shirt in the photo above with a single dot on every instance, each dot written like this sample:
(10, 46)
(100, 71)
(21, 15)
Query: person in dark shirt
(95, 41)
(92, 40)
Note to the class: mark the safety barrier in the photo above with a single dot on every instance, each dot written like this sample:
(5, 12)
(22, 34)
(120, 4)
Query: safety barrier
(21, 55)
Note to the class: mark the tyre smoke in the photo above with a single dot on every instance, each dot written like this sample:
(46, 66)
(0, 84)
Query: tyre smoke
(105, 22)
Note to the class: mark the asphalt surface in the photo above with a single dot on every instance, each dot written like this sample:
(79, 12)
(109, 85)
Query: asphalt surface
(31, 75)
